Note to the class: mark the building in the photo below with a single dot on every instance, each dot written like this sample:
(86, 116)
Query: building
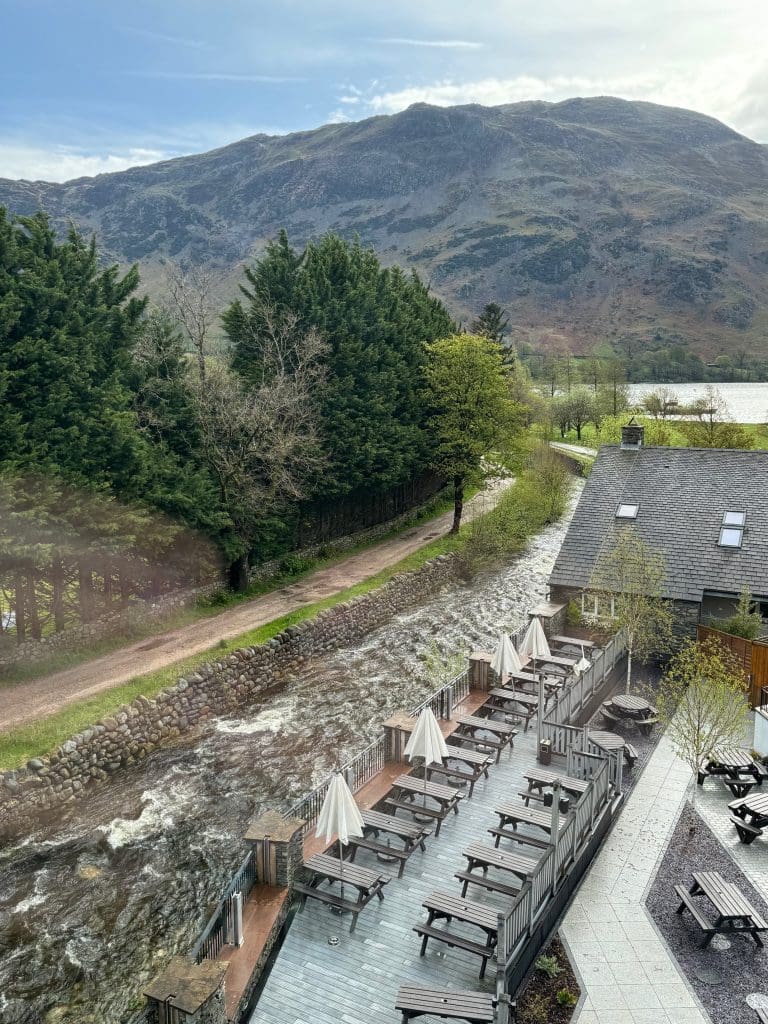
(704, 509)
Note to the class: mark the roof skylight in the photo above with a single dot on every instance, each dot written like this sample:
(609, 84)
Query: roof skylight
(627, 511)
(732, 530)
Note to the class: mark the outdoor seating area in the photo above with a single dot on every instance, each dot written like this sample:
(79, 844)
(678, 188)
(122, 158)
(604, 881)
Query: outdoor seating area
(740, 774)
(472, 865)
(630, 709)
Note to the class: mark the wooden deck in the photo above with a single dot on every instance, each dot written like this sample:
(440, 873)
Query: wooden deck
(357, 978)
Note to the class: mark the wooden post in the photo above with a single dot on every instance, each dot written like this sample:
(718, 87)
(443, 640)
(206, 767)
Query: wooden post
(397, 731)
(479, 671)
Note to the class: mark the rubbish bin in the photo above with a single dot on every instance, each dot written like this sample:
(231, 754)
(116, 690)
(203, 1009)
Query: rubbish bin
(545, 752)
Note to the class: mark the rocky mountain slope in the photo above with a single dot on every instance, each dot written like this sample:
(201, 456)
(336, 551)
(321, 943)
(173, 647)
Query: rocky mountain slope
(588, 219)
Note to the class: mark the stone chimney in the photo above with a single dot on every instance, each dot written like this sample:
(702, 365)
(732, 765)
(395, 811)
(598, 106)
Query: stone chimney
(632, 436)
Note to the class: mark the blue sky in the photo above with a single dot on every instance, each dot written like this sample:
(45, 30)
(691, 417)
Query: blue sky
(94, 86)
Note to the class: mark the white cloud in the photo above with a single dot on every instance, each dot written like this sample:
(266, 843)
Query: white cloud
(59, 164)
(724, 88)
(440, 44)
(338, 117)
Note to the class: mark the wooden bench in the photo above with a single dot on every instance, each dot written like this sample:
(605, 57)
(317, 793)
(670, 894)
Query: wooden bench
(762, 1014)
(747, 833)
(630, 754)
(395, 852)
(646, 724)
(736, 806)
(464, 774)
(518, 837)
(490, 884)
(438, 815)
(739, 787)
(761, 772)
(701, 774)
(330, 898)
(427, 932)
(609, 716)
(450, 1004)
(688, 903)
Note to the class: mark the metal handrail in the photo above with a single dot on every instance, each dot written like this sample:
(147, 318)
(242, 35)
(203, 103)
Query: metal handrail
(219, 926)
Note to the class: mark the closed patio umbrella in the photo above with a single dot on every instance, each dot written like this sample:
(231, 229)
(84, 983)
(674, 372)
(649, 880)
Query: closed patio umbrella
(427, 741)
(582, 664)
(535, 641)
(505, 659)
(339, 816)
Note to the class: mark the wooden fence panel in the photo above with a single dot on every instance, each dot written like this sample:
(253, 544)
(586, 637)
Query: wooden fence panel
(759, 671)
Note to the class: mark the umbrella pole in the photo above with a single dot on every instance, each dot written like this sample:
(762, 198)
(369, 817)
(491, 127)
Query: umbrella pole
(341, 867)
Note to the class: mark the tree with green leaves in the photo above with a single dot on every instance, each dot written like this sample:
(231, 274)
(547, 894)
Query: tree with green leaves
(470, 412)
(376, 322)
(746, 621)
(628, 579)
(703, 701)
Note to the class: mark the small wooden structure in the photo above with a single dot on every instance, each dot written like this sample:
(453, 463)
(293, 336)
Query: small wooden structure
(752, 656)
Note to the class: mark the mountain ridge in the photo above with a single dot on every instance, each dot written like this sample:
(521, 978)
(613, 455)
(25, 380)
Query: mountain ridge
(591, 220)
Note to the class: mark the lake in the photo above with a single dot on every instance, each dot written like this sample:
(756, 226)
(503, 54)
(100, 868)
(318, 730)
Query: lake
(747, 403)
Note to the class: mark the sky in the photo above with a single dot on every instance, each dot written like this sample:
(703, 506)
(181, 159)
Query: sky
(88, 87)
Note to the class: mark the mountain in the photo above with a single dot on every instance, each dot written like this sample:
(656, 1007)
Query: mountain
(589, 219)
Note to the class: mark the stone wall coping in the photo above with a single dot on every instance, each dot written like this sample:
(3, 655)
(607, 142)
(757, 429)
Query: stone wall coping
(189, 984)
(546, 610)
(272, 825)
(401, 720)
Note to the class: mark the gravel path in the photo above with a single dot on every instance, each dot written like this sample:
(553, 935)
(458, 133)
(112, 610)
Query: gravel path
(32, 700)
(732, 967)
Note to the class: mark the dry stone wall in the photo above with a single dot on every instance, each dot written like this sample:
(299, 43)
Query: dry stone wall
(216, 688)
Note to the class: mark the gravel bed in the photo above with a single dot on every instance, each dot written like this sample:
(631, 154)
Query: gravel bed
(733, 966)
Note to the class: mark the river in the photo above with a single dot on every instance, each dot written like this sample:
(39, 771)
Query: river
(747, 403)
(92, 906)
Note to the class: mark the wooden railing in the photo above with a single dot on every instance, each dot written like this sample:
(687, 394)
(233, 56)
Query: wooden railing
(515, 927)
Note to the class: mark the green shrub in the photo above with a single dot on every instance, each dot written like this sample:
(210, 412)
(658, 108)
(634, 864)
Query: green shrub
(573, 613)
(566, 998)
(745, 622)
(293, 564)
(548, 965)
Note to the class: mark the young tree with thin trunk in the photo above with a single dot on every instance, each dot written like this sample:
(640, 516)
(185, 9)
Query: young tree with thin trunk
(628, 578)
(470, 412)
(703, 701)
(191, 302)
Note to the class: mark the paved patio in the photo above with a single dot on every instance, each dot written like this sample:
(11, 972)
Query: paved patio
(313, 982)
(628, 974)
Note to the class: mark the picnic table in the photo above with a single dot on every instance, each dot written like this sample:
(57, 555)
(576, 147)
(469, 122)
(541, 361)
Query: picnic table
(477, 765)
(526, 703)
(482, 856)
(753, 807)
(502, 734)
(450, 1004)
(325, 868)
(733, 912)
(571, 641)
(732, 761)
(558, 660)
(406, 788)
(633, 708)
(375, 823)
(611, 742)
(441, 905)
(518, 814)
(538, 778)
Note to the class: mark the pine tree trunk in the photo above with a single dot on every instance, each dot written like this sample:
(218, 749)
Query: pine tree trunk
(19, 608)
(458, 502)
(85, 587)
(34, 618)
(57, 593)
(238, 574)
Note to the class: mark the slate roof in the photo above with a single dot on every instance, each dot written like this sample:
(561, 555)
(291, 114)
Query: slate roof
(682, 494)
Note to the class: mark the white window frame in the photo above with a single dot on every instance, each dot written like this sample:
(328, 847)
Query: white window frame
(590, 607)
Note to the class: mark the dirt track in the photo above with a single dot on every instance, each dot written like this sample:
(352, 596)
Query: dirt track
(34, 699)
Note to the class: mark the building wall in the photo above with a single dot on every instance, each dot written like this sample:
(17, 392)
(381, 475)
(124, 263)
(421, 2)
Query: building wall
(686, 614)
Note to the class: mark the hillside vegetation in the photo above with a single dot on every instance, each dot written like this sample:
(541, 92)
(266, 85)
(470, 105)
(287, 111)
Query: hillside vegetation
(590, 220)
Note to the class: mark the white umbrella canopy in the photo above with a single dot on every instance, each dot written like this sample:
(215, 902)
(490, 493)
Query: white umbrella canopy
(535, 641)
(505, 659)
(339, 815)
(426, 740)
(582, 664)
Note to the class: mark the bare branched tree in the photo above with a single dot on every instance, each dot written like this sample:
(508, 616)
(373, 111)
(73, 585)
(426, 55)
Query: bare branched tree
(190, 293)
(259, 437)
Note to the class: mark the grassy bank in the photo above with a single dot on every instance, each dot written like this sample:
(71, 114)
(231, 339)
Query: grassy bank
(521, 512)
